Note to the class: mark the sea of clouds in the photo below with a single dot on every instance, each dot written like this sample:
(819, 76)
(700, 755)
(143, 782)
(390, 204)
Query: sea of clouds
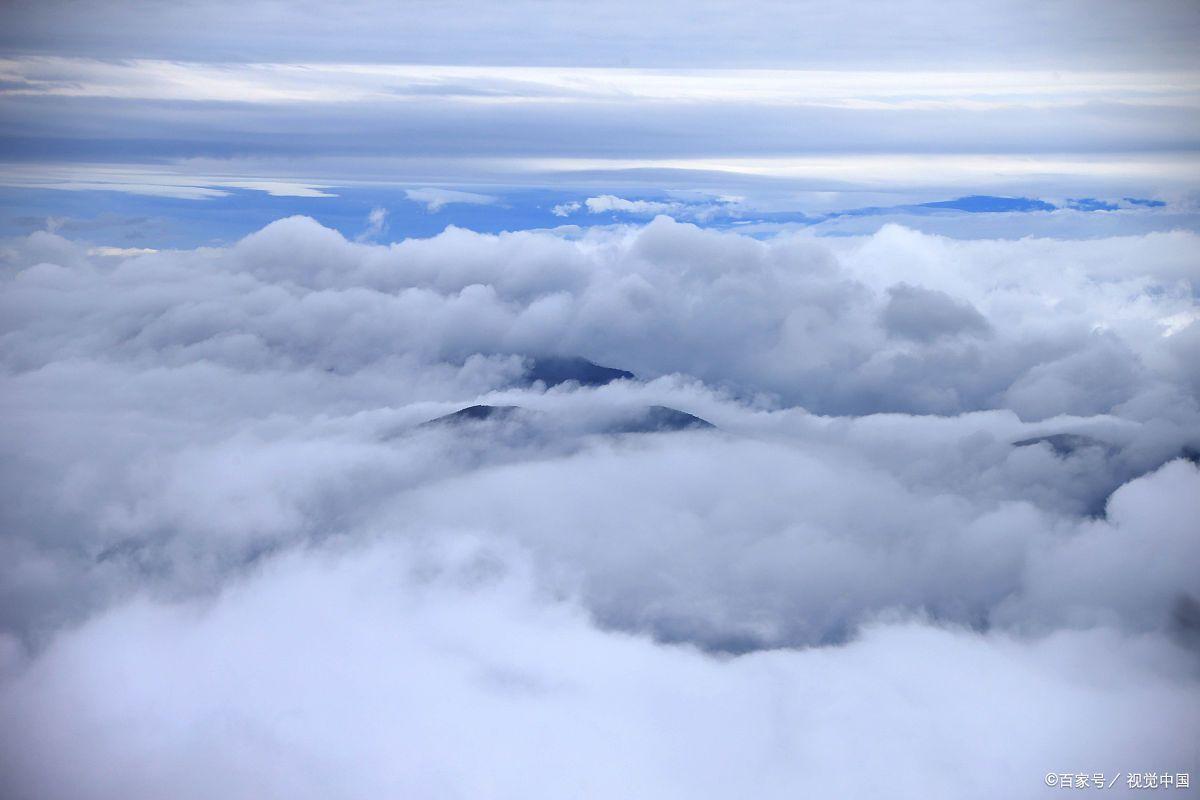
(235, 563)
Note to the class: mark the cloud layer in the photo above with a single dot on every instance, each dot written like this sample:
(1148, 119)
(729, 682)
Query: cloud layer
(235, 562)
(195, 128)
(715, 33)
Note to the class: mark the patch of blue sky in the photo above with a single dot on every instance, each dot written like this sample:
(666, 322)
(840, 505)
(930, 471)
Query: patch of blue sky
(1091, 204)
(1141, 201)
(985, 204)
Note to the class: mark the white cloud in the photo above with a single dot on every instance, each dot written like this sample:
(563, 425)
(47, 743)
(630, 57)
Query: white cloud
(607, 203)
(179, 183)
(974, 90)
(376, 224)
(699, 209)
(386, 671)
(231, 553)
(909, 171)
(565, 209)
(276, 188)
(118, 252)
(435, 199)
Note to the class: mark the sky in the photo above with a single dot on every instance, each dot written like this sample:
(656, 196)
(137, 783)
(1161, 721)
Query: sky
(769, 114)
(312, 483)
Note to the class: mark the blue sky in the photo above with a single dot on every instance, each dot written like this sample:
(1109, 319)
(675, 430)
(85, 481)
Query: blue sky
(171, 125)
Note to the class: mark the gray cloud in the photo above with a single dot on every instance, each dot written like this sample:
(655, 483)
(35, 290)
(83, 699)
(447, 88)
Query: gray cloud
(715, 33)
(77, 122)
(113, 130)
(925, 314)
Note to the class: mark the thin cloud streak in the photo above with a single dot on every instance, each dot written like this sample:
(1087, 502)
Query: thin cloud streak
(350, 83)
(1128, 173)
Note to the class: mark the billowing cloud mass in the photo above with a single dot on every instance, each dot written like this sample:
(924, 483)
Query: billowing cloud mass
(939, 541)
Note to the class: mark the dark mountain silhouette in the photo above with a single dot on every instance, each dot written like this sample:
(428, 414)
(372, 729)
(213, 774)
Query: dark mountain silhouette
(1064, 444)
(475, 414)
(651, 419)
(553, 370)
(657, 419)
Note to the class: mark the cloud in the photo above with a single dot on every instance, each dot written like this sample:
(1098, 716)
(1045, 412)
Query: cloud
(119, 252)
(361, 674)
(606, 203)
(232, 551)
(925, 315)
(1076, 132)
(376, 224)
(813, 322)
(386, 82)
(565, 209)
(700, 210)
(137, 179)
(435, 199)
(888, 35)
